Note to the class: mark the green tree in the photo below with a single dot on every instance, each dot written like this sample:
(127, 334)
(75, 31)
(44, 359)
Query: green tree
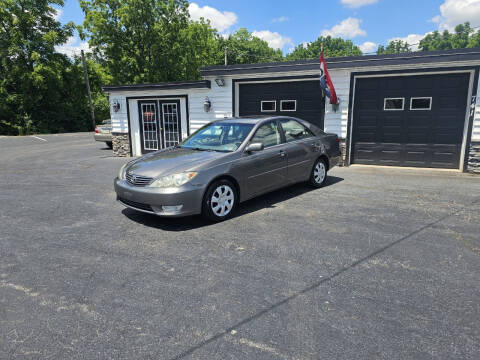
(332, 47)
(462, 37)
(394, 47)
(31, 70)
(144, 41)
(244, 48)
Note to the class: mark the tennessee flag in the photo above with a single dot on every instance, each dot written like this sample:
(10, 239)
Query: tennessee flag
(326, 82)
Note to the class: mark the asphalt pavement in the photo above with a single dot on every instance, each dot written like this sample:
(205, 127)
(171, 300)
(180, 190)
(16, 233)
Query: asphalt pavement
(382, 263)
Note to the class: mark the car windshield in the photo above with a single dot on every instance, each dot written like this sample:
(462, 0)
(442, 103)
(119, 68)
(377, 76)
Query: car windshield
(225, 137)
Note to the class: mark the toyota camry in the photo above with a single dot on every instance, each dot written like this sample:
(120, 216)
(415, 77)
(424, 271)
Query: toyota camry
(226, 162)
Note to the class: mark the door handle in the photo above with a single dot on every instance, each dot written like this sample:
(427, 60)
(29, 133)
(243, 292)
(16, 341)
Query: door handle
(282, 153)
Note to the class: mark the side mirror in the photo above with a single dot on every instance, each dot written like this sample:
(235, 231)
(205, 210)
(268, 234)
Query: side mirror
(254, 147)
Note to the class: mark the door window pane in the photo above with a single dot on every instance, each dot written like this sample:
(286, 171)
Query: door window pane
(421, 103)
(267, 134)
(268, 105)
(392, 104)
(294, 130)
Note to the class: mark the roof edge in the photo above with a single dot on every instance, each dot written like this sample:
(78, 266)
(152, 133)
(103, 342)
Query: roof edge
(196, 84)
(345, 61)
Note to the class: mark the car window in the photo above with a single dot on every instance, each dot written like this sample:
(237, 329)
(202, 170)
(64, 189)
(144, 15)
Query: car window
(294, 130)
(224, 136)
(267, 134)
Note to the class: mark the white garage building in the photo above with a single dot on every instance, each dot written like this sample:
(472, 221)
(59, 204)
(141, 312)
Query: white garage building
(416, 110)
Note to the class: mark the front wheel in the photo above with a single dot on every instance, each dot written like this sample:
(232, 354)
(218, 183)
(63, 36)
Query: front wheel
(219, 201)
(319, 173)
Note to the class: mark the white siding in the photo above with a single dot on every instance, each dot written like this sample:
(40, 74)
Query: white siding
(220, 98)
(119, 119)
(336, 121)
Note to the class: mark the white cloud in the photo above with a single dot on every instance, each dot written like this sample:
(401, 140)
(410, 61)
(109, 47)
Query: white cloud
(454, 12)
(368, 47)
(280, 19)
(220, 20)
(274, 39)
(72, 47)
(57, 13)
(358, 3)
(348, 28)
(412, 39)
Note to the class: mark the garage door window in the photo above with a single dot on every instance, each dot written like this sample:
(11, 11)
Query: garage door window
(294, 130)
(394, 104)
(421, 103)
(268, 106)
(288, 105)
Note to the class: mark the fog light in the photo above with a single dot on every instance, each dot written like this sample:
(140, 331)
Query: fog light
(173, 208)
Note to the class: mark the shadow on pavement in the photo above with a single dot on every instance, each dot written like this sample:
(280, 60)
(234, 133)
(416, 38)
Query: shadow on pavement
(268, 200)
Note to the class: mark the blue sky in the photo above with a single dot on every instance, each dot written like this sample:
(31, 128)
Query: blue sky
(284, 24)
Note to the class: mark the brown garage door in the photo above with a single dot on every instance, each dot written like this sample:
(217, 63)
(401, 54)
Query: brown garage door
(410, 120)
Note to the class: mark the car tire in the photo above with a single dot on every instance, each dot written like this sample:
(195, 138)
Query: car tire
(318, 176)
(220, 200)
(109, 144)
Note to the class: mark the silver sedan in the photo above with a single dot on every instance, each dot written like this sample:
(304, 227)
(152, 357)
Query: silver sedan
(227, 162)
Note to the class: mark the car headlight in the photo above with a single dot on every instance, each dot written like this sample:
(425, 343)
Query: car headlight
(121, 172)
(174, 180)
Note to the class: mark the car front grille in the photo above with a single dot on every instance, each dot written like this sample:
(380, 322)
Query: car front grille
(136, 205)
(137, 180)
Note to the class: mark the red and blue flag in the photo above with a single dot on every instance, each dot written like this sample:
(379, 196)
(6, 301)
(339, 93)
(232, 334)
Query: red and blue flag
(326, 82)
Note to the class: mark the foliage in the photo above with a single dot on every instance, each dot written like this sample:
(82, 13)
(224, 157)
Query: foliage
(394, 47)
(332, 47)
(144, 41)
(40, 89)
(462, 37)
(244, 48)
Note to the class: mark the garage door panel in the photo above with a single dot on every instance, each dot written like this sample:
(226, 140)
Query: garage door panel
(310, 103)
(423, 138)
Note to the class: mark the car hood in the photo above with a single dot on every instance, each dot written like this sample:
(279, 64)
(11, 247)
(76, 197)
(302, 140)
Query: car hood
(171, 161)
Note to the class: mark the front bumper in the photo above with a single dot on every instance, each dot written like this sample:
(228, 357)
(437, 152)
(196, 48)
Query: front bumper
(150, 200)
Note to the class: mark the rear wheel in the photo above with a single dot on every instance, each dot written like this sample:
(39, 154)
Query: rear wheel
(219, 200)
(109, 144)
(319, 173)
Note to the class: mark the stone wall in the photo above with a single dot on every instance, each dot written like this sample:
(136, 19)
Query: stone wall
(121, 145)
(474, 157)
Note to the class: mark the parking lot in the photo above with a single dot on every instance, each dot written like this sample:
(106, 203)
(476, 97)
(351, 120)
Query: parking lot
(381, 263)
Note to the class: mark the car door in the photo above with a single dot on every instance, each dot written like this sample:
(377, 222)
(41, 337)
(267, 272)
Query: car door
(302, 149)
(266, 169)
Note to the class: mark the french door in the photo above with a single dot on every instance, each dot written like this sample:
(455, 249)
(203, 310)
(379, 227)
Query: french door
(160, 124)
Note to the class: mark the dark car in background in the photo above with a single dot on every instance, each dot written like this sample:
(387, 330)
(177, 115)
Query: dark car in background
(103, 132)
(227, 162)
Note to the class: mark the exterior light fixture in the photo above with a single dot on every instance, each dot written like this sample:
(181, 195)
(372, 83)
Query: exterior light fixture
(116, 106)
(207, 105)
(220, 81)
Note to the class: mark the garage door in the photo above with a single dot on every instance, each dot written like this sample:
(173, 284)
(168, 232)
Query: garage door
(410, 120)
(302, 99)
